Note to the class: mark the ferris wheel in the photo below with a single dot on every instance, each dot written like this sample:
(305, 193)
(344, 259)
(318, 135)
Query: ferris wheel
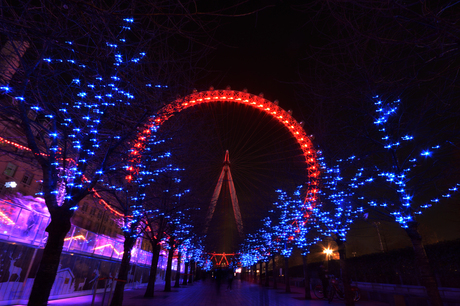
(269, 149)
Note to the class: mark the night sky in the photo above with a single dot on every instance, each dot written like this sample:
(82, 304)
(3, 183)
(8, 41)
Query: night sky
(268, 52)
(258, 52)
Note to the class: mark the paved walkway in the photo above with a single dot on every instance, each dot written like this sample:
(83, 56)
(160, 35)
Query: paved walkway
(205, 293)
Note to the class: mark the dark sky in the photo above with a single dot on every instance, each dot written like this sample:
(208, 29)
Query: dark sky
(260, 52)
(263, 52)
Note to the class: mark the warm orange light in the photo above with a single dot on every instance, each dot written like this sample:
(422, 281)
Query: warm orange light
(79, 237)
(108, 245)
(5, 217)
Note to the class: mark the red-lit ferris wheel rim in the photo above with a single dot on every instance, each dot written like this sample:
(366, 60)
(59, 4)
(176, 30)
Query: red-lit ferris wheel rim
(257, 102)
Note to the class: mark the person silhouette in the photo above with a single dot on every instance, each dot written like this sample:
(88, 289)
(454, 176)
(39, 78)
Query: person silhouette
(230, 279)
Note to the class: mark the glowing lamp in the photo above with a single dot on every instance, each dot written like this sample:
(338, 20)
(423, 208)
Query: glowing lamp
(11, 184)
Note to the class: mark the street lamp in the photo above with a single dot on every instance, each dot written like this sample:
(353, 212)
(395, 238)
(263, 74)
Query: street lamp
(328, 253)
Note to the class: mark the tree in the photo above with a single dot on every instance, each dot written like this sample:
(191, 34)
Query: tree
(405, 168)
(285, 228)
(401, 50)
(308, 233)
(340, 207)
(162, 215)
(75, 95)
(133, 198)
(178, 231)
(65, 109)
(249, 255)
(183, 233)
(261, 245)
(269, 241)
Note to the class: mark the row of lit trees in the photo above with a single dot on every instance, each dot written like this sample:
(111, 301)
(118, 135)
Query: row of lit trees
(78, 81)
(388, 183)
(406, 139)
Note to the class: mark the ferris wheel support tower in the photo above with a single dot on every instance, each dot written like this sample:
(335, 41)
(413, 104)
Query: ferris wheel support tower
(225, 175)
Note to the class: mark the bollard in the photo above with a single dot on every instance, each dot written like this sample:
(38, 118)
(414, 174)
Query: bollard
(105, 290)
(111, 290)
(94, 291)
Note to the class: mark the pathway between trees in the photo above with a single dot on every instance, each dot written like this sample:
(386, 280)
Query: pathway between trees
(206, 293)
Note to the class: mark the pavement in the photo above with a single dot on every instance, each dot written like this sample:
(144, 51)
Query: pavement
(204, 293)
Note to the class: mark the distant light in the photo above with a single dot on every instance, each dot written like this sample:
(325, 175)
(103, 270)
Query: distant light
(12, 184)
(426, 153)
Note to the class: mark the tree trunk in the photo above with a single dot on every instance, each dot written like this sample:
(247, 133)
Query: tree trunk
(184, 281)
(192, 271)
(349, 296)
(150, 291)
(46, 274)
(176, 285)
(286, 274)
(117, 299)
(255, 273)
(260, 274)
(427, 277)
(306, 275)
(168, 270)
(275, 273)
(267, 280)
(198, 273)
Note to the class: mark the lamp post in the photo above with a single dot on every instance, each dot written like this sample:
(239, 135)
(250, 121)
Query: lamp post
(328, 253)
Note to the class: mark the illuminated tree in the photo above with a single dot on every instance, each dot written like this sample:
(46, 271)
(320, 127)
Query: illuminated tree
(72, 113)
(159, 216)
(178, 230)
(308, 232)
(407, 164)
(340, 207)
(402, 50)
(77, 82)
(271, 247)
(249, 254)
(285, 228)
(183, 234)
(132, 199)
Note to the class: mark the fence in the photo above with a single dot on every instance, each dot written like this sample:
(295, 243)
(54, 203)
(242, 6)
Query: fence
(86, 257)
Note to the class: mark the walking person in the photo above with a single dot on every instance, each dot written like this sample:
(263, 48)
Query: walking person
(323, 276)
(219, 276)
(230, 279)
